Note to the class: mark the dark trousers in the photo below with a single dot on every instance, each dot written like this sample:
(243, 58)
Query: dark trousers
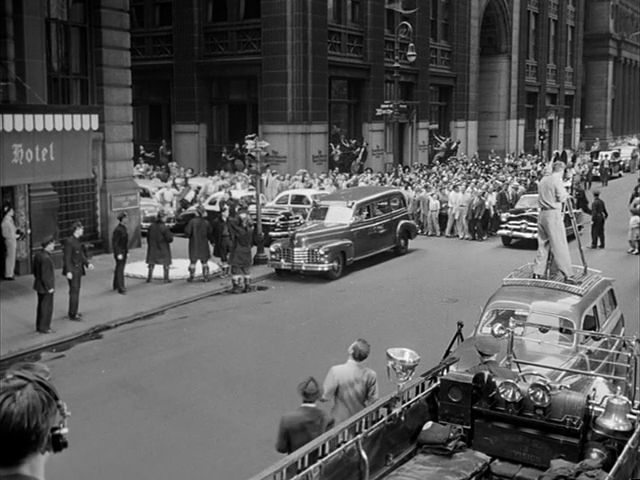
(44, 312)
(74, 293)
(475, 229)
(443, 217)
(118, 274)
(597, 231)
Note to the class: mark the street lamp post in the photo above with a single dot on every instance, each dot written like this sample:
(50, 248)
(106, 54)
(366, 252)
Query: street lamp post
(403, 30)
(257, 146)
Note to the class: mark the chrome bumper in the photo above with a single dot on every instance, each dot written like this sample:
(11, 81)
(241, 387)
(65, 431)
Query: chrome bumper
(300, 267)
(503, 232)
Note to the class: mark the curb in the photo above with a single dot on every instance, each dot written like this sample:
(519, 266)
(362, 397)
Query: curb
(15, 355)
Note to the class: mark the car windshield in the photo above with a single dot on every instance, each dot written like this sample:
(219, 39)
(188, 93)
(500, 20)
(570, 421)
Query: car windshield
(527, 201)
(318, 196)
(534, 327)
(331, 213)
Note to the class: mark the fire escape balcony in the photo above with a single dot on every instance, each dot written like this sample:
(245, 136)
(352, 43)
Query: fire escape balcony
(232, 39)
(154, 44)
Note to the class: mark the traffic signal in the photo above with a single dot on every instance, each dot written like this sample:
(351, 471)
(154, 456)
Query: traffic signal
(542, 134)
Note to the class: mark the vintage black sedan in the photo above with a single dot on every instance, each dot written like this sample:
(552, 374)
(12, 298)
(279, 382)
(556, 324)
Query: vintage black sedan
(346, 226)
(521, 222)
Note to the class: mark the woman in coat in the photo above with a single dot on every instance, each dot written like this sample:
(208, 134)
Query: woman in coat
(199, 232)
(241, 231)
(222, 240)
(158, 247)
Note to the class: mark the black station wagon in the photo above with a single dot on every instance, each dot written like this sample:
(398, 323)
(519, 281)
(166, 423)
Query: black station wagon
(346, 226)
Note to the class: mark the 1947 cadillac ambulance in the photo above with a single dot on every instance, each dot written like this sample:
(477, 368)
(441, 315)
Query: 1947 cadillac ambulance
(344, 227)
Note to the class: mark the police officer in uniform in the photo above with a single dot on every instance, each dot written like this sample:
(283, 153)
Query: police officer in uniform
(75, 262)
(598, 215)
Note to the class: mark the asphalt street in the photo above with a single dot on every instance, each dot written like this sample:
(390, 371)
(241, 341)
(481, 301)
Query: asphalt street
(198, 391)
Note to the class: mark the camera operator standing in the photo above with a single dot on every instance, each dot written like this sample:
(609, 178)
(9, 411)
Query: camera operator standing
(32, 422)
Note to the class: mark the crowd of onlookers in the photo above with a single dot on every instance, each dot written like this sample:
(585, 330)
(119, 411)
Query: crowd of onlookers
(456, 195)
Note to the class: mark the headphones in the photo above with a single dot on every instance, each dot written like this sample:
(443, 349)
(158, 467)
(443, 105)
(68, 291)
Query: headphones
(57, 440)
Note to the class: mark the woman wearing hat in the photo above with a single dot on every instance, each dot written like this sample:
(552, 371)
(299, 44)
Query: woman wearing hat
(159, 239)
(199, 232)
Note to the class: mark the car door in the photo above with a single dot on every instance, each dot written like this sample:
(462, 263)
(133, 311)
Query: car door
(594, 346)
(361, 229)
(382, 231)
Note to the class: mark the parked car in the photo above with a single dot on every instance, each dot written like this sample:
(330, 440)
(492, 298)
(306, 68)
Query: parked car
(287, 212)
(149, 206)
(212, 207)
(559, 330)
(521, 222)
(346, 226)
(615, 163)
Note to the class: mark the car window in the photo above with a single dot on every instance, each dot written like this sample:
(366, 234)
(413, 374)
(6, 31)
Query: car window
(213, 200)
(608, 303)
(381, 207)
(591, 322)
(283, 200)
(363, 212)
(300, 200)
(396, 202)
(549, 329)
(501, 316)
(145, 193)
(331, 214)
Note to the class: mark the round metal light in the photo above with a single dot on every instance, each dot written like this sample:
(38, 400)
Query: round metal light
(509, 391)
(540, 394)
(411, 53)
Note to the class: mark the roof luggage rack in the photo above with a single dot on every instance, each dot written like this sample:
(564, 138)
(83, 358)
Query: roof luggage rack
(523, 276)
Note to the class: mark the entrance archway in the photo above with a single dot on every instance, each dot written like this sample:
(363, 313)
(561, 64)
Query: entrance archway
(493, 79)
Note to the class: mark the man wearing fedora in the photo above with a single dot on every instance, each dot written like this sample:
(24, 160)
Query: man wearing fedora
(307, 422)
(352, 386)
(75, 262)
(44, 285)
(120, 245)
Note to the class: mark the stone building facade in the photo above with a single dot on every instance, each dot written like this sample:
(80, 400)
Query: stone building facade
(611, 79)
(490, 73)
(66, 119)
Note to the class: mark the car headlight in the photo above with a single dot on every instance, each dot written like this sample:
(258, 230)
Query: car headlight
(509, 391)
(504, 217)
(274, 248)
(540, 394)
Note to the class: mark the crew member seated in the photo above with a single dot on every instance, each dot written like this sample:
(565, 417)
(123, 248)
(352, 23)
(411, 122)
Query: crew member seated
(487, 348)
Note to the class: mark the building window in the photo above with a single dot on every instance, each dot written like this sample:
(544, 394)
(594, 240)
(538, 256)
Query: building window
(439, 21)
(553, 36)
(570, 33)
(344, 108)
(532, 34)
(68, 52)
(162, 13)
(439, 102)
(231, 10)
(345, 12)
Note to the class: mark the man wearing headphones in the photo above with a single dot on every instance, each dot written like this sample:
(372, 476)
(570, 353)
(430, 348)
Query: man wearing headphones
(32, 422)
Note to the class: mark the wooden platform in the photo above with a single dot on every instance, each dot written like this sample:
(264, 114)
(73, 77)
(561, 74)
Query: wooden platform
(523, 276)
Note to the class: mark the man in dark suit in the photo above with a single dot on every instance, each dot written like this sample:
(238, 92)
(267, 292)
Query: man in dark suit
(598, 215)
(75, 262)
(120, 245)
(44, 284)
(307, 422)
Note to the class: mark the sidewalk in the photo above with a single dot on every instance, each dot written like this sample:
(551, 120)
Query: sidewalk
(101, 307)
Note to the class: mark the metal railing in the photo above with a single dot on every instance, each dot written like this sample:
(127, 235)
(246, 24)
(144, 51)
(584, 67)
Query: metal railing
(233, 38)
(152, 44)
(350, 438)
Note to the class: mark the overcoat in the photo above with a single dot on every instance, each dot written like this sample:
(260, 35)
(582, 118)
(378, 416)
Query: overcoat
(199, 232)
(241, 241)
(221, 237)
(158, 240)
(44, 278)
